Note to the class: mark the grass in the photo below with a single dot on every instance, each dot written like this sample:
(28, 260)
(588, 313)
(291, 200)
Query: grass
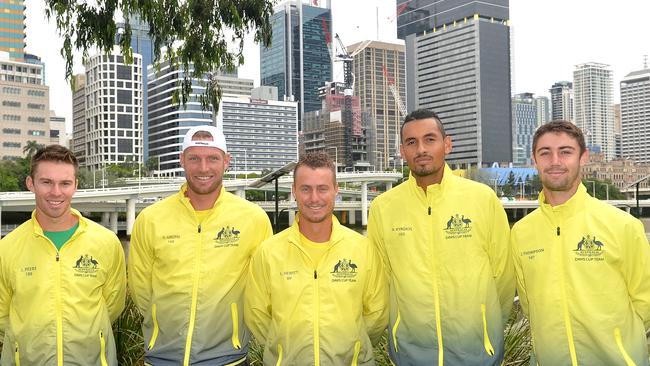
(130, 348)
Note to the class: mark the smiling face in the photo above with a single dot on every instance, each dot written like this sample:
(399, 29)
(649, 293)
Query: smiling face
(558, 160)
(424, 148)
(53, 183)
(315, 192)
(204, 168)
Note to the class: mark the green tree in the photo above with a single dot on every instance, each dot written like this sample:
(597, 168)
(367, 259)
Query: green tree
(8, 182)
(603, 188)
(31, 147)
(198, 35)
(508, 188)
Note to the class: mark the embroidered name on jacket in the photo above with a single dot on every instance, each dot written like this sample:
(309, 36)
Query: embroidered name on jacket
(589, 249)
(344, 271)
(458, 226)
(227, 237)
(86, 266)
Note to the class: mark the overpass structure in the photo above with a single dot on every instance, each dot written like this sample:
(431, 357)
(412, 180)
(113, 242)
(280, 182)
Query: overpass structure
(133, 198)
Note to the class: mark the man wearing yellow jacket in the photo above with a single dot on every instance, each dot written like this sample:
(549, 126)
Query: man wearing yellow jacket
(316, 293)
(444, 241)
(583, 266)
(189, 259)
(62, 276)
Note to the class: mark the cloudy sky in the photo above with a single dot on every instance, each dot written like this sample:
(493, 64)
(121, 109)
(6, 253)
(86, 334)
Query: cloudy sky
(550, 38)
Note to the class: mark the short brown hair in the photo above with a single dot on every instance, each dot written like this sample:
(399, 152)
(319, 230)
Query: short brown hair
(561, 126)
(315, 160)
(56, 153)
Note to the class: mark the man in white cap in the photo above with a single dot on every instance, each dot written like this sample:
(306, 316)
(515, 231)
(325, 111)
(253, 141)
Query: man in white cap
(188, 262)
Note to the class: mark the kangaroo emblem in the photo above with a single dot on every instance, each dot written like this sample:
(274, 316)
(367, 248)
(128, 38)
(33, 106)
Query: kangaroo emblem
(336, 266)
(220, 233)
(451, 221)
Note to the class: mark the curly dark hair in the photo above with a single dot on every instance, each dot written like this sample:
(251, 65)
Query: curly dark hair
(422, 114)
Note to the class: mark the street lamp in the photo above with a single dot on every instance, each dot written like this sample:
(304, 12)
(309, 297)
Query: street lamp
(336, 156)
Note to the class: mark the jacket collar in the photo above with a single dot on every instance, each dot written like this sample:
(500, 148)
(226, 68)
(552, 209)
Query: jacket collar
(337, 231)
(38, 230)
(570, 207)
(433, 190)
(185, 201)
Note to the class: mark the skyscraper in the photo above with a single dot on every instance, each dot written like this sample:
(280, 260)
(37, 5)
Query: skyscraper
(562, 101)
(379, 67)
(635, 116)
(525, 121)
(593, 99)
(12, 28)
(543, 107)
(141, 44)
(299, 59)
(458, 65)
(113, 110)
(78, 143)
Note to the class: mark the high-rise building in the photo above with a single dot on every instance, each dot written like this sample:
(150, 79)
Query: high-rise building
(525, 121)
(78, 143)
(299, 59)
(262, 135)
(562, 101)
(114, 110)
(57, 130)
(168, 122)
(379, 67)
(543, 107)
(141, 44)
(24, 107)
(348, 145)
(618, 132)
(12, 28)
(593, 99)
(458, 65)
(635, 116)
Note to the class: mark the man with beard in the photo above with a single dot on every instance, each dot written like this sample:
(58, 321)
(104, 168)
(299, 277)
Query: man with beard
(316, 294)
(188, 262)
(444, 242)
(62, 276)
(583, 266)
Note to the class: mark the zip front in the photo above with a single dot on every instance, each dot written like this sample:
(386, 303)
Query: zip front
(316, 313)
(436, 292)
(394, 330)
(357, 349)
(565, 306)
(102, 349)
(59, 316)
(195, 290)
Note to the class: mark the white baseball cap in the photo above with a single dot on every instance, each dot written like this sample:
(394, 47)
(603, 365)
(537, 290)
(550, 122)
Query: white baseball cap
(218, 139)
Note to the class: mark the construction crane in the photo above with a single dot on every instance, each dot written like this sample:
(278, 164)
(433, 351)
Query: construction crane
(393, 90)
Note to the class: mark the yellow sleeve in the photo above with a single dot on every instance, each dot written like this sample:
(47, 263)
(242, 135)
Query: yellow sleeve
(636, 269)
(114, 289)
(375, 297)
(376, 237)
(516, 261)
(257, 304)
(140, 266)
(500, 259)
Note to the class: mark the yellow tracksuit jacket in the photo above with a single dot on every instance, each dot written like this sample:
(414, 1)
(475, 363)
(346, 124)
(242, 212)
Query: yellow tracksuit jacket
(56, 307)
(583, 276)
(451, 278)
(188, 280)
(325, 315)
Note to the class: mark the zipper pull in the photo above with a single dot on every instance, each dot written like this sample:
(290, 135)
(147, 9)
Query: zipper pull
(429, 210)
(199, 228)
(57, 256)
(315, 275)
(558, 231)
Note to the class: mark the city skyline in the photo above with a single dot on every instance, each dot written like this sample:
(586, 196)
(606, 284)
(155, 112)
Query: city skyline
(576, 34)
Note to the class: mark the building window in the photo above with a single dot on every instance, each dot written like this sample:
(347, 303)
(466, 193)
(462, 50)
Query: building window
(35, 106)
(10, 144)
(124, 145)
(36, 119)
(9, 103)
(10, 90)
(10, 117)
(36, 133)
(124, 72)
(11, 131)
(124, 121)
(124, 96)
